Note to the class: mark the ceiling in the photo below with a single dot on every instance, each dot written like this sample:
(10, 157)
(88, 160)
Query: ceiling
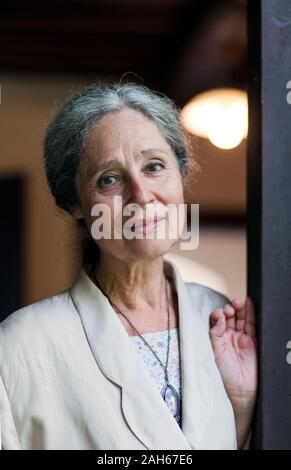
(178, 47)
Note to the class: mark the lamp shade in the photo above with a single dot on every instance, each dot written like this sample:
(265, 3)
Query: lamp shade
(220, 114)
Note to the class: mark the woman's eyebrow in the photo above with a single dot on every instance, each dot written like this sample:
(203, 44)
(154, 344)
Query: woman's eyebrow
(107, 164)
(154, 150)
(112, 163)
(103, 166)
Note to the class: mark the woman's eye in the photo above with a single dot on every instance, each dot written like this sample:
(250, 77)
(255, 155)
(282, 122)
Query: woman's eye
(106, 180)
(153, 165)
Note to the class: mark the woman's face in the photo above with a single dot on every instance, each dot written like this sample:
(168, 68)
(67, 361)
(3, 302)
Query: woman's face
(127, 156)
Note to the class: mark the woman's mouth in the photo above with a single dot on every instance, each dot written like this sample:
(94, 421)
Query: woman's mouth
(143, 226)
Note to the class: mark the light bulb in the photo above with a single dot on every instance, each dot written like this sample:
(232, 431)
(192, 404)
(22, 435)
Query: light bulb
(221, 115)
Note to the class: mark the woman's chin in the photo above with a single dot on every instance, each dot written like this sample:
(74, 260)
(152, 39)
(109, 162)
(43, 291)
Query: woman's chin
(145, 249)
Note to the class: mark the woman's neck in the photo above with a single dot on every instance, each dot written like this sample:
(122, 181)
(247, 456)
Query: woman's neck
(143, 303)
(138, 285)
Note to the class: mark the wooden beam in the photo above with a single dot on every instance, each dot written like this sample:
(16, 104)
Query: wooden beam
(269, 213)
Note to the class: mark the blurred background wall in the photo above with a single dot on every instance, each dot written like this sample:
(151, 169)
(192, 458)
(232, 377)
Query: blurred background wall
(178, 47)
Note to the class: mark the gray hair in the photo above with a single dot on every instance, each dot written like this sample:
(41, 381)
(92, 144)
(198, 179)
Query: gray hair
(67, 134)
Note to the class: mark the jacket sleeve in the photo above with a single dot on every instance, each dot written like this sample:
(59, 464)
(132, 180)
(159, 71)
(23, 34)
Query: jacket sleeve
(8, 434)
(205, 300)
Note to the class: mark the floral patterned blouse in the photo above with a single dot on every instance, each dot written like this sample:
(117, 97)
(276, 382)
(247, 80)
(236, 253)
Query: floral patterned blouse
(159, 343)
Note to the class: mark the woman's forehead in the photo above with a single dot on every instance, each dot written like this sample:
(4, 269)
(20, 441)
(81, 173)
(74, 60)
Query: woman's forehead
(114, 136)
(123, 128)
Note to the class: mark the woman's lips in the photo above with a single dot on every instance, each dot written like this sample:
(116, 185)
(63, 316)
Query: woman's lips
(145, 225)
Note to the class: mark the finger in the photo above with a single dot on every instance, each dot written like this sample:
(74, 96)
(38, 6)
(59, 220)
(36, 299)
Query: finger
(237, 303)
(240, 314)
(229, 313)
(250, 323)
(220, 326)
(215, 316)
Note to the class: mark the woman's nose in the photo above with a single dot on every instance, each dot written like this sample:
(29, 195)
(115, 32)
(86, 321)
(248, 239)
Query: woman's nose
(140, 192)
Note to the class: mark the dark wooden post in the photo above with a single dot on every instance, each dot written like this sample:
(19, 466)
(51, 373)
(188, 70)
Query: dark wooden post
(269, 213)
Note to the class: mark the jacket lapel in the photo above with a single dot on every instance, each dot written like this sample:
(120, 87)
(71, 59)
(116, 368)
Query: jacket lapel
(196, 382)
(145, 411)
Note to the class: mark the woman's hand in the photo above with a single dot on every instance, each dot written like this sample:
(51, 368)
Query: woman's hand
(233, 339)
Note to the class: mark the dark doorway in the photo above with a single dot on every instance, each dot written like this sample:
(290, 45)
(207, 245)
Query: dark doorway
(11, 234)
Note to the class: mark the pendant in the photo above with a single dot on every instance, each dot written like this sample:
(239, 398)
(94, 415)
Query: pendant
(177, 403)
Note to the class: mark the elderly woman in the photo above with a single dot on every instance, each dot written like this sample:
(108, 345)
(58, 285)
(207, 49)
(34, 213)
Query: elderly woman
(131, 356)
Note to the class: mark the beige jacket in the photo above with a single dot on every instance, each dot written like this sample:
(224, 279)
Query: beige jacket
(72, 379)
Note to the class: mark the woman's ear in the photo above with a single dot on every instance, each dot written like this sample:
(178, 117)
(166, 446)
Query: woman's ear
(77, 213)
